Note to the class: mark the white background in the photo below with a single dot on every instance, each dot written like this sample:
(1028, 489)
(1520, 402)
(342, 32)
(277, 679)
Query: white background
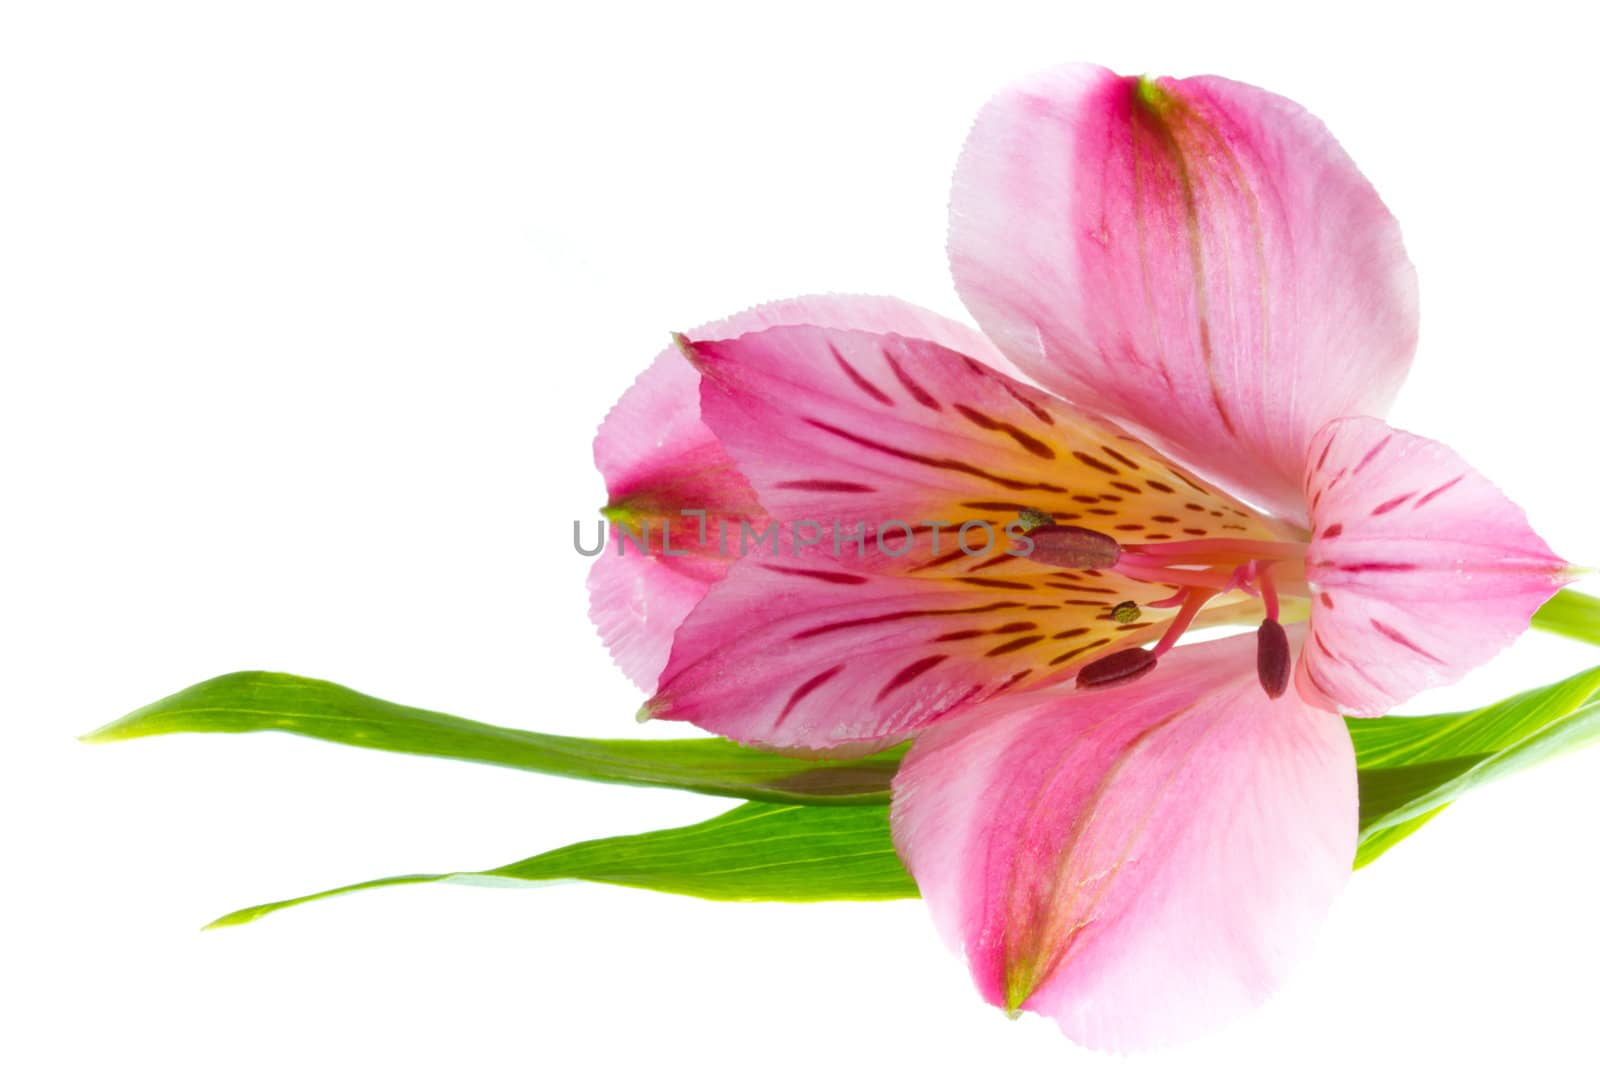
(309, 312)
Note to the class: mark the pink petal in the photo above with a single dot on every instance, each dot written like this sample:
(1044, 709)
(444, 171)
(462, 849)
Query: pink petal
(851, 427)
(637, 603)
(857, 640)
(1140, 863)
(658, 457)
(805, 652)
(1422, 569)
(1196, 259)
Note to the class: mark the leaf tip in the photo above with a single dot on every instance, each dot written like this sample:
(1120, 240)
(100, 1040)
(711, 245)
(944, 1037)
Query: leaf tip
(238, 918)
(101, 735)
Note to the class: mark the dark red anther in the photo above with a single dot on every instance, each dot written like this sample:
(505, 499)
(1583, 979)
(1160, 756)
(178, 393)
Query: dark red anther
(1272, 658)
(1074, 547)
(1116, 668)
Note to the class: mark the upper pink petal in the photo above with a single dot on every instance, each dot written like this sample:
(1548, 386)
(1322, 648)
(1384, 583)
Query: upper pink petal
(1422, 569)
(870, 429)
(1140, 863)
(1197, 259)
(658, 457)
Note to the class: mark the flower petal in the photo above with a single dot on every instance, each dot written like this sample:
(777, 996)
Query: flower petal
(1197, 259)
(805, 652)
(1139, 863)
(835, 426)
(658, 458)
(1422, 569)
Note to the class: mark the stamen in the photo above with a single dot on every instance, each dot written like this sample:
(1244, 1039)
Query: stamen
(1122, 666)
(1074, 547)
(1173, 575)
(1269, 592)
(1199, 570)
(1272, 658)
(1193, 600)
(1032, 518)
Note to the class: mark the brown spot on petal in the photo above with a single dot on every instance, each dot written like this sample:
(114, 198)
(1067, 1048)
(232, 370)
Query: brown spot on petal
(1090, 461)
(1012, 646)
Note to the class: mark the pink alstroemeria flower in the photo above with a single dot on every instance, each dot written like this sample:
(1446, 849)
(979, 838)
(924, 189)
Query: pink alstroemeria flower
(1211, 307)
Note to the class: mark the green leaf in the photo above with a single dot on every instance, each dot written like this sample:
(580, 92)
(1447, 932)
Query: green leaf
(260, 700)
(1570, 614)
(1410, 770)
(819, 829)
(754, 852)
(1412, 766)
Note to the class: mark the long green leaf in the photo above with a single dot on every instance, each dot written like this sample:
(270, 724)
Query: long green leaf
(1412, 766)
(1410, 770)
(1570, 614)
(754, 852)
(261, 700)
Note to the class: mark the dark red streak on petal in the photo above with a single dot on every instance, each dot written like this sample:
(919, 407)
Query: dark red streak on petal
(1026, 440)
(912, 386)
(1361, 568)
(805, 687)
(933, 461)
(1435, 492)
(1371, 455)
(1033, 409)
(900, 616)
(1392, 503)
(1012, 646)
(825, 485)
(821, 576)
(1403, 641)
(910, 673)
(1119, 457)
(855, 376)
(1089, 461)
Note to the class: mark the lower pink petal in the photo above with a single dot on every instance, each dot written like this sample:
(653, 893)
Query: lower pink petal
(1421, 568)
(1140, 863)
(806, 652)
(658, 457)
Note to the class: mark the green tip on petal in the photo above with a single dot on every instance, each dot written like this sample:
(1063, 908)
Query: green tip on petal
(689, 351)
(1152, 96)
(617, 515)
(1020, 979)
(1013, 1014)
(645, 713)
